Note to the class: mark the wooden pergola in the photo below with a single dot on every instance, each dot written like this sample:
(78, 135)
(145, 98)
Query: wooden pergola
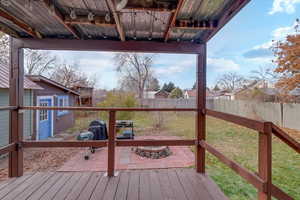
(173, 26)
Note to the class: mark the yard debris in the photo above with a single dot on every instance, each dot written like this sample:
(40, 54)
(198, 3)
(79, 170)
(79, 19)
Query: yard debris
(41, 159)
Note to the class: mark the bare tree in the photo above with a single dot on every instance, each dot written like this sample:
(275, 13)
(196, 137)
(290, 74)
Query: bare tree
(39, 62)
(231, 81)
(70, 76)
(135, 70)
(265, 74)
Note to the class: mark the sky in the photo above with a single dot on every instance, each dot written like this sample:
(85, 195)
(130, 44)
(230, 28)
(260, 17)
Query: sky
(242, 46)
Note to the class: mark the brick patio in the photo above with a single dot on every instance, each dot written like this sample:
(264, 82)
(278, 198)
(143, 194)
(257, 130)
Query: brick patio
(127, 159)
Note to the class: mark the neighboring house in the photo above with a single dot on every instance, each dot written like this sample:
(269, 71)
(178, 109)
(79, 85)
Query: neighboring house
(29, 89)
(86, 95)
(49, 122)
(161, 94)
(192, 94)
(258, 90)
(223, 94)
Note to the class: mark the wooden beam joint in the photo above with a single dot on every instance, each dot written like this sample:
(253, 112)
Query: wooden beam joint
(59, 17)
(17, 22)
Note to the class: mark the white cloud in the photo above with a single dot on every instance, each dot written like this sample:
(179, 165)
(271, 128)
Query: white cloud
(263, 50)
(287, 6)
(172, 64)
(221, 64)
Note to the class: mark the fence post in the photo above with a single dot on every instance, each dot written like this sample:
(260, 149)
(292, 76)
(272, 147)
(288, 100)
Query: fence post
(16, 91)
(200, 115)
(265, 160)
(111, 144)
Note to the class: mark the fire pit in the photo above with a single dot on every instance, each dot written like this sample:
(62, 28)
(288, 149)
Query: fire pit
(153, 152)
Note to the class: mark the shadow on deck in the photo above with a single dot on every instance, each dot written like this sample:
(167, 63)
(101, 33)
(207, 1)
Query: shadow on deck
(167, 184)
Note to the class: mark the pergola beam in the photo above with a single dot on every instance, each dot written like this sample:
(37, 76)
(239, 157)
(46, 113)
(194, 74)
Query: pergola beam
(227, 16)
(173, 20)
(109, 45)
(24, 27)
(59, 17)
(116, 16)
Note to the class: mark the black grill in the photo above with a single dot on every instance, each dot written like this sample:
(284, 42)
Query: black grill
(99, 129)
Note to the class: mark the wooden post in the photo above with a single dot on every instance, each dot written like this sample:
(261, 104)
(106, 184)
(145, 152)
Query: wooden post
(16, 91)
(265, 160)
(111, 144)
(200, 115)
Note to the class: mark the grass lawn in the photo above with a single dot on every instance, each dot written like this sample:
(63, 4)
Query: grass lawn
(238, 143)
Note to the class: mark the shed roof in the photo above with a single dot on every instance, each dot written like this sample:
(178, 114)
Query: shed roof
(4, 79)
(38, 78)
(157, 20)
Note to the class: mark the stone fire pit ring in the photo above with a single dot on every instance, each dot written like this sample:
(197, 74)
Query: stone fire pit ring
(153, 152)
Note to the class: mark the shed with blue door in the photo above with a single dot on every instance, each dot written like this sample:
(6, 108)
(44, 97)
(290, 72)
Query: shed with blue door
(50, 122)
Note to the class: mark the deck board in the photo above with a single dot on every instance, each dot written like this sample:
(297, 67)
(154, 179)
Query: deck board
(156, 184)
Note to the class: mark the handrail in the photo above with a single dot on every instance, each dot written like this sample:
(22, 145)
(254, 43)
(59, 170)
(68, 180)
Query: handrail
(121, 143)
(256, 125)
(8, 148)
(55, 144)
(279, 194)
(262, 181)
(283, 136)
(8, 107)
(252, 178)
(104, 108)
(242, 121)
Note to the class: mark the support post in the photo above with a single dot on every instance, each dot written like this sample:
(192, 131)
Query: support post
(201, 105)
(265, 160)
(111, 144)
(16, 91)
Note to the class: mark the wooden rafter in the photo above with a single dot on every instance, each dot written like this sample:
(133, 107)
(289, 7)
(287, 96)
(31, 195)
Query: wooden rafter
(173, 20)
(59, 17)
(98, 21)
(227, 16)
(27, 29)
(116, 16)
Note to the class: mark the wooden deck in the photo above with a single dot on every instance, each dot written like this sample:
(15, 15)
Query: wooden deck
(167, 184)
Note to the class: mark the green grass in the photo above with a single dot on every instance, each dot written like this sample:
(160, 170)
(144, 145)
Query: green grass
(237, 143)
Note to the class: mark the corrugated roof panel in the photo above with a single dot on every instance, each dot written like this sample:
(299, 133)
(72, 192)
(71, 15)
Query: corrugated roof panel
(97, 7)
(140, 25)
(37, 17)
(144, 24)
(93, 31)
(185, 34)
(203, 10)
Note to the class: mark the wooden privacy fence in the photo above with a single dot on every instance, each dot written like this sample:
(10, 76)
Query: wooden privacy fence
(262, 180)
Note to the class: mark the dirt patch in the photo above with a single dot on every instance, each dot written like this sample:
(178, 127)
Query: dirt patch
(41, 159)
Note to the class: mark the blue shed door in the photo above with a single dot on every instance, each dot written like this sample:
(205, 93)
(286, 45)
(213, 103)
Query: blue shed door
(45, 119)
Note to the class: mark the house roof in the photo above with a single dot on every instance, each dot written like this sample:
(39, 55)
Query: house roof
(191, 93)
(168, 20)
(4, 79)
(38, 78)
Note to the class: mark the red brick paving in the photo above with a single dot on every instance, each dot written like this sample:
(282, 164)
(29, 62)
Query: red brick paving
(127, 159)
